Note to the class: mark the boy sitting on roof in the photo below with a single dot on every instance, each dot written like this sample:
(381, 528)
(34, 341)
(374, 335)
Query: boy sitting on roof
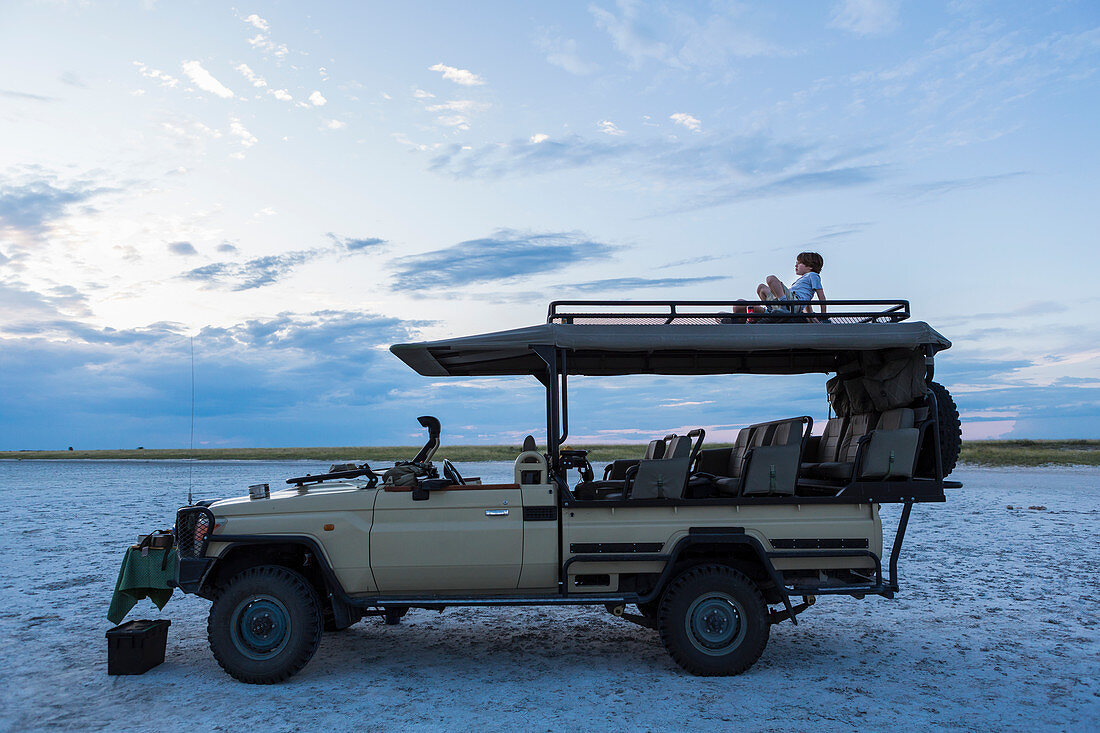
(807, 266)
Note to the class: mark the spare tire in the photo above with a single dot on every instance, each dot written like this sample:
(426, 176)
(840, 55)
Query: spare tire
(950, 428)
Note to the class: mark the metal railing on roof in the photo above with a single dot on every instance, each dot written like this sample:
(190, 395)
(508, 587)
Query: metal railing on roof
(720, 312)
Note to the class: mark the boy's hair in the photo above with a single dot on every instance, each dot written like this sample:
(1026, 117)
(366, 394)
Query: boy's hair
(811, 260)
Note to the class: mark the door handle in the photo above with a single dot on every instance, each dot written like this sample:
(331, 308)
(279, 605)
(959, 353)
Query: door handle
(496, 512)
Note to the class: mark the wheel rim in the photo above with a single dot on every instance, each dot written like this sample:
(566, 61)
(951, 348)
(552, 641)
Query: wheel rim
(260, 627)
(715, 624)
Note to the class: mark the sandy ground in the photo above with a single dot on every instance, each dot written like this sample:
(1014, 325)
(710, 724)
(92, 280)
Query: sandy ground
(996, 627)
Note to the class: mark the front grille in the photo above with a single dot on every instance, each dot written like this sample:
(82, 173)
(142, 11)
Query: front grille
(193, 527)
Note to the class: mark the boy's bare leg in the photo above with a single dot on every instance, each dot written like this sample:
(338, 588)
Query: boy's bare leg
(776, 286)
(763, 292)
(740, 308)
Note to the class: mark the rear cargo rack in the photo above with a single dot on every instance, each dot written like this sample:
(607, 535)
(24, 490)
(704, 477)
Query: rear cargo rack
(713, 312)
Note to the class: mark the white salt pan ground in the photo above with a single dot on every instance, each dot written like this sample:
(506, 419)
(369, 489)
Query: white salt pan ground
(996, 627)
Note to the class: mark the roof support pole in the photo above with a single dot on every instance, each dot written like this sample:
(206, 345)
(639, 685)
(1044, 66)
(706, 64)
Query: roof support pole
(554, 398)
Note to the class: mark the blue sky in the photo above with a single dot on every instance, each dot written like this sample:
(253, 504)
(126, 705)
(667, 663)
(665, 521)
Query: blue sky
(297, 186)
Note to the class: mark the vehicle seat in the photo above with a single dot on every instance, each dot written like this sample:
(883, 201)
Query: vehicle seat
(772, 467)
(891, 451)
(841, 469)
(615, 473)
(664, 477)
(616, 470)
(529, 444)
(825, 449)
(746, 438)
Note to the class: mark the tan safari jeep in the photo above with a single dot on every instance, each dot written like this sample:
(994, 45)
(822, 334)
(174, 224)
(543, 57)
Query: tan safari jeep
(709, 546)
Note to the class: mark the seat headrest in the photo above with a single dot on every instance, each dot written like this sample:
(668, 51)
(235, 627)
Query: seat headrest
(656, 449)
(896, 419)
(679, 447)
(787, 433)
(761, 435)
(529, 443)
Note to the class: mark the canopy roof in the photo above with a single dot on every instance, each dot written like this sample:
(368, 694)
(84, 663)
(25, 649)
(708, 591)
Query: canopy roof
(758, 348)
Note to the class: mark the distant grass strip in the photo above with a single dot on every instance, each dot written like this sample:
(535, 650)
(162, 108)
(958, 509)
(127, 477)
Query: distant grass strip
(978, 453)
(1031, 452)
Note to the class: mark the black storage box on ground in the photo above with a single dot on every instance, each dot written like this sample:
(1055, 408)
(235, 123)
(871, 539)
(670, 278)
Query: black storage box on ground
(135, 647)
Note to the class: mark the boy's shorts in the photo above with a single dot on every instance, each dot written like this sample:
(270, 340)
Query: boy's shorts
(787, 295)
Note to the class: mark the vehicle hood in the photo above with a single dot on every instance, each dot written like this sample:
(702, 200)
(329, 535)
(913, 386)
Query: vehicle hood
(321, 497)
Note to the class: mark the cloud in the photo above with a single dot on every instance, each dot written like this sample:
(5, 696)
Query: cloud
(22, 307)
(693, 261)
(705, 37)
(259, 272)
(166, 80)
(279, 379)
(353, 244)
(254, 273)
(458, 76)
(247, 73)
(831, 179)
(202, 78)
(539, 137)
(258, 22)
(629, 35)
(26, 96)
(686, 120)
(240, 132)
(934, 188)
(505, 255)
(865, 17)
(282, 95)
(608, 127)
(837, 231)
(72, 79)
(421, 94)
(335, 124)
(32, 205)
(562, 52)
(457, 112)
(182, 248)
(260, 42)
(317, 99)
(638, 283)
(708, 170)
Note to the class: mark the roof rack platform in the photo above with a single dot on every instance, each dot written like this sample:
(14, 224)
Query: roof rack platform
(709, 312)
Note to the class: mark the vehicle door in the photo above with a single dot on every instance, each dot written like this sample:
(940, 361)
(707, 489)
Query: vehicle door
(461, 538)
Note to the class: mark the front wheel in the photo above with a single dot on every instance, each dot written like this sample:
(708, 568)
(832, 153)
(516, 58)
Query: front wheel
(265, 624)
(713, 620)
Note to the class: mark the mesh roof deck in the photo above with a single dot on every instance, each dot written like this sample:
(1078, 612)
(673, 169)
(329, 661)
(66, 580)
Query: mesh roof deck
(760, 348)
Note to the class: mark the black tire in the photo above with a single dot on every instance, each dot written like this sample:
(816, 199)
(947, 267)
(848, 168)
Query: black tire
(394, 614)
(264, 624)
(713, 621)
(950, 427)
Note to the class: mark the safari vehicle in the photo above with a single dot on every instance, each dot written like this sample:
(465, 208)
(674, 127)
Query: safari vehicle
(710, 545)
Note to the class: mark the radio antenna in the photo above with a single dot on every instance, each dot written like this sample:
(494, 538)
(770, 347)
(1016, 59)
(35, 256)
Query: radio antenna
(191, 450)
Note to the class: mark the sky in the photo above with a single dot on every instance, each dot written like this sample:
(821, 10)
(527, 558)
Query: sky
(282, 190)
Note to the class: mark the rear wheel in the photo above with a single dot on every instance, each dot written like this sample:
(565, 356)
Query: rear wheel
(265, 624)
(713, 620)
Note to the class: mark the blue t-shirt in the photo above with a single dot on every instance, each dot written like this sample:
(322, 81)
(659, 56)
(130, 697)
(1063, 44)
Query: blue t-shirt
(804, 287)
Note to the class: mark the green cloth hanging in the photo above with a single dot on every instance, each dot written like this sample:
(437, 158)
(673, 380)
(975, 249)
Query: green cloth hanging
(145, 573)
